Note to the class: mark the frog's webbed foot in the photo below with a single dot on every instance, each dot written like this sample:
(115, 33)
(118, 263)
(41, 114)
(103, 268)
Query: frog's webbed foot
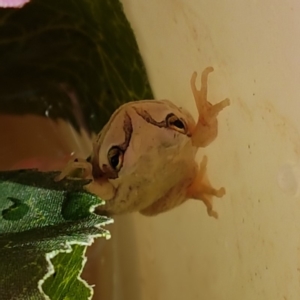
(206, 128)
(76, 168)
(201, 189)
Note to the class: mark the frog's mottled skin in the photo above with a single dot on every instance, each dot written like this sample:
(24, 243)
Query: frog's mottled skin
(157, 170)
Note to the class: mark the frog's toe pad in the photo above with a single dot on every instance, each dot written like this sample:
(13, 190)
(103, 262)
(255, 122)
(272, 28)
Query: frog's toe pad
(220, 192)
(213, 214)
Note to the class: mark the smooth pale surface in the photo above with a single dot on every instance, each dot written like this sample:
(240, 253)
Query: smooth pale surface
(253, 250)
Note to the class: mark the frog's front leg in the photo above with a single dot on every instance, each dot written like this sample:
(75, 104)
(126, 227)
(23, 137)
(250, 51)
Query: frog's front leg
(201, 189)
(81, 168)
(77, 167)
(206, 129)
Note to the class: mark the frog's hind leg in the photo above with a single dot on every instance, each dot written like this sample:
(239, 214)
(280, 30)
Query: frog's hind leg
(201, 189)
(78, 167)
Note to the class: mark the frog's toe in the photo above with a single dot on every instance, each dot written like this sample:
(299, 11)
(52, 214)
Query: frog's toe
(78, 168)
(220, 192)
(213, 214)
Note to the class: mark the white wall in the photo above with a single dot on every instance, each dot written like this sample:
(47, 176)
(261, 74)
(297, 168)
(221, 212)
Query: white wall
(253, 250)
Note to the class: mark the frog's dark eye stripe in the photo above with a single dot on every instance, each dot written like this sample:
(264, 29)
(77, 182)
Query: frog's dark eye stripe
(146, 116)
(127, 127)
(116, 153)
(171, 121)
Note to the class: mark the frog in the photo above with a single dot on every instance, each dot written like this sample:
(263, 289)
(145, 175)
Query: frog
(144, 158)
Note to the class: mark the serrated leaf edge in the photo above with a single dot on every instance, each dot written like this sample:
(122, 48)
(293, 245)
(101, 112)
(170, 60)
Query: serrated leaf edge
(68, 249)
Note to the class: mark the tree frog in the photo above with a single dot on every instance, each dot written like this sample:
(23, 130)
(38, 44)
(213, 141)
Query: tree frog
(144, 157)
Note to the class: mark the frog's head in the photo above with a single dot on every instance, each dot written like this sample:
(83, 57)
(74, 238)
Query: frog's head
(156, 128)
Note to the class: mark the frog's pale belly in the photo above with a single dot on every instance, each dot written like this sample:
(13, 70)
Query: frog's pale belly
(168, 176)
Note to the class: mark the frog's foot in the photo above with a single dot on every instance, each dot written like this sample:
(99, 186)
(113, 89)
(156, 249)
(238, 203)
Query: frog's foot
(206, 129)
(76, 168)
(201, 189)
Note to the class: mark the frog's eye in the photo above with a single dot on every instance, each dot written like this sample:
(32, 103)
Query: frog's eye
(175, 123)
(115, 157)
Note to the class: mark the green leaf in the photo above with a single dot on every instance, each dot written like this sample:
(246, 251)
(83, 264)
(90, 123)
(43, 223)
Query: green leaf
(40, 222)
(71, 59)
(64, 283)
